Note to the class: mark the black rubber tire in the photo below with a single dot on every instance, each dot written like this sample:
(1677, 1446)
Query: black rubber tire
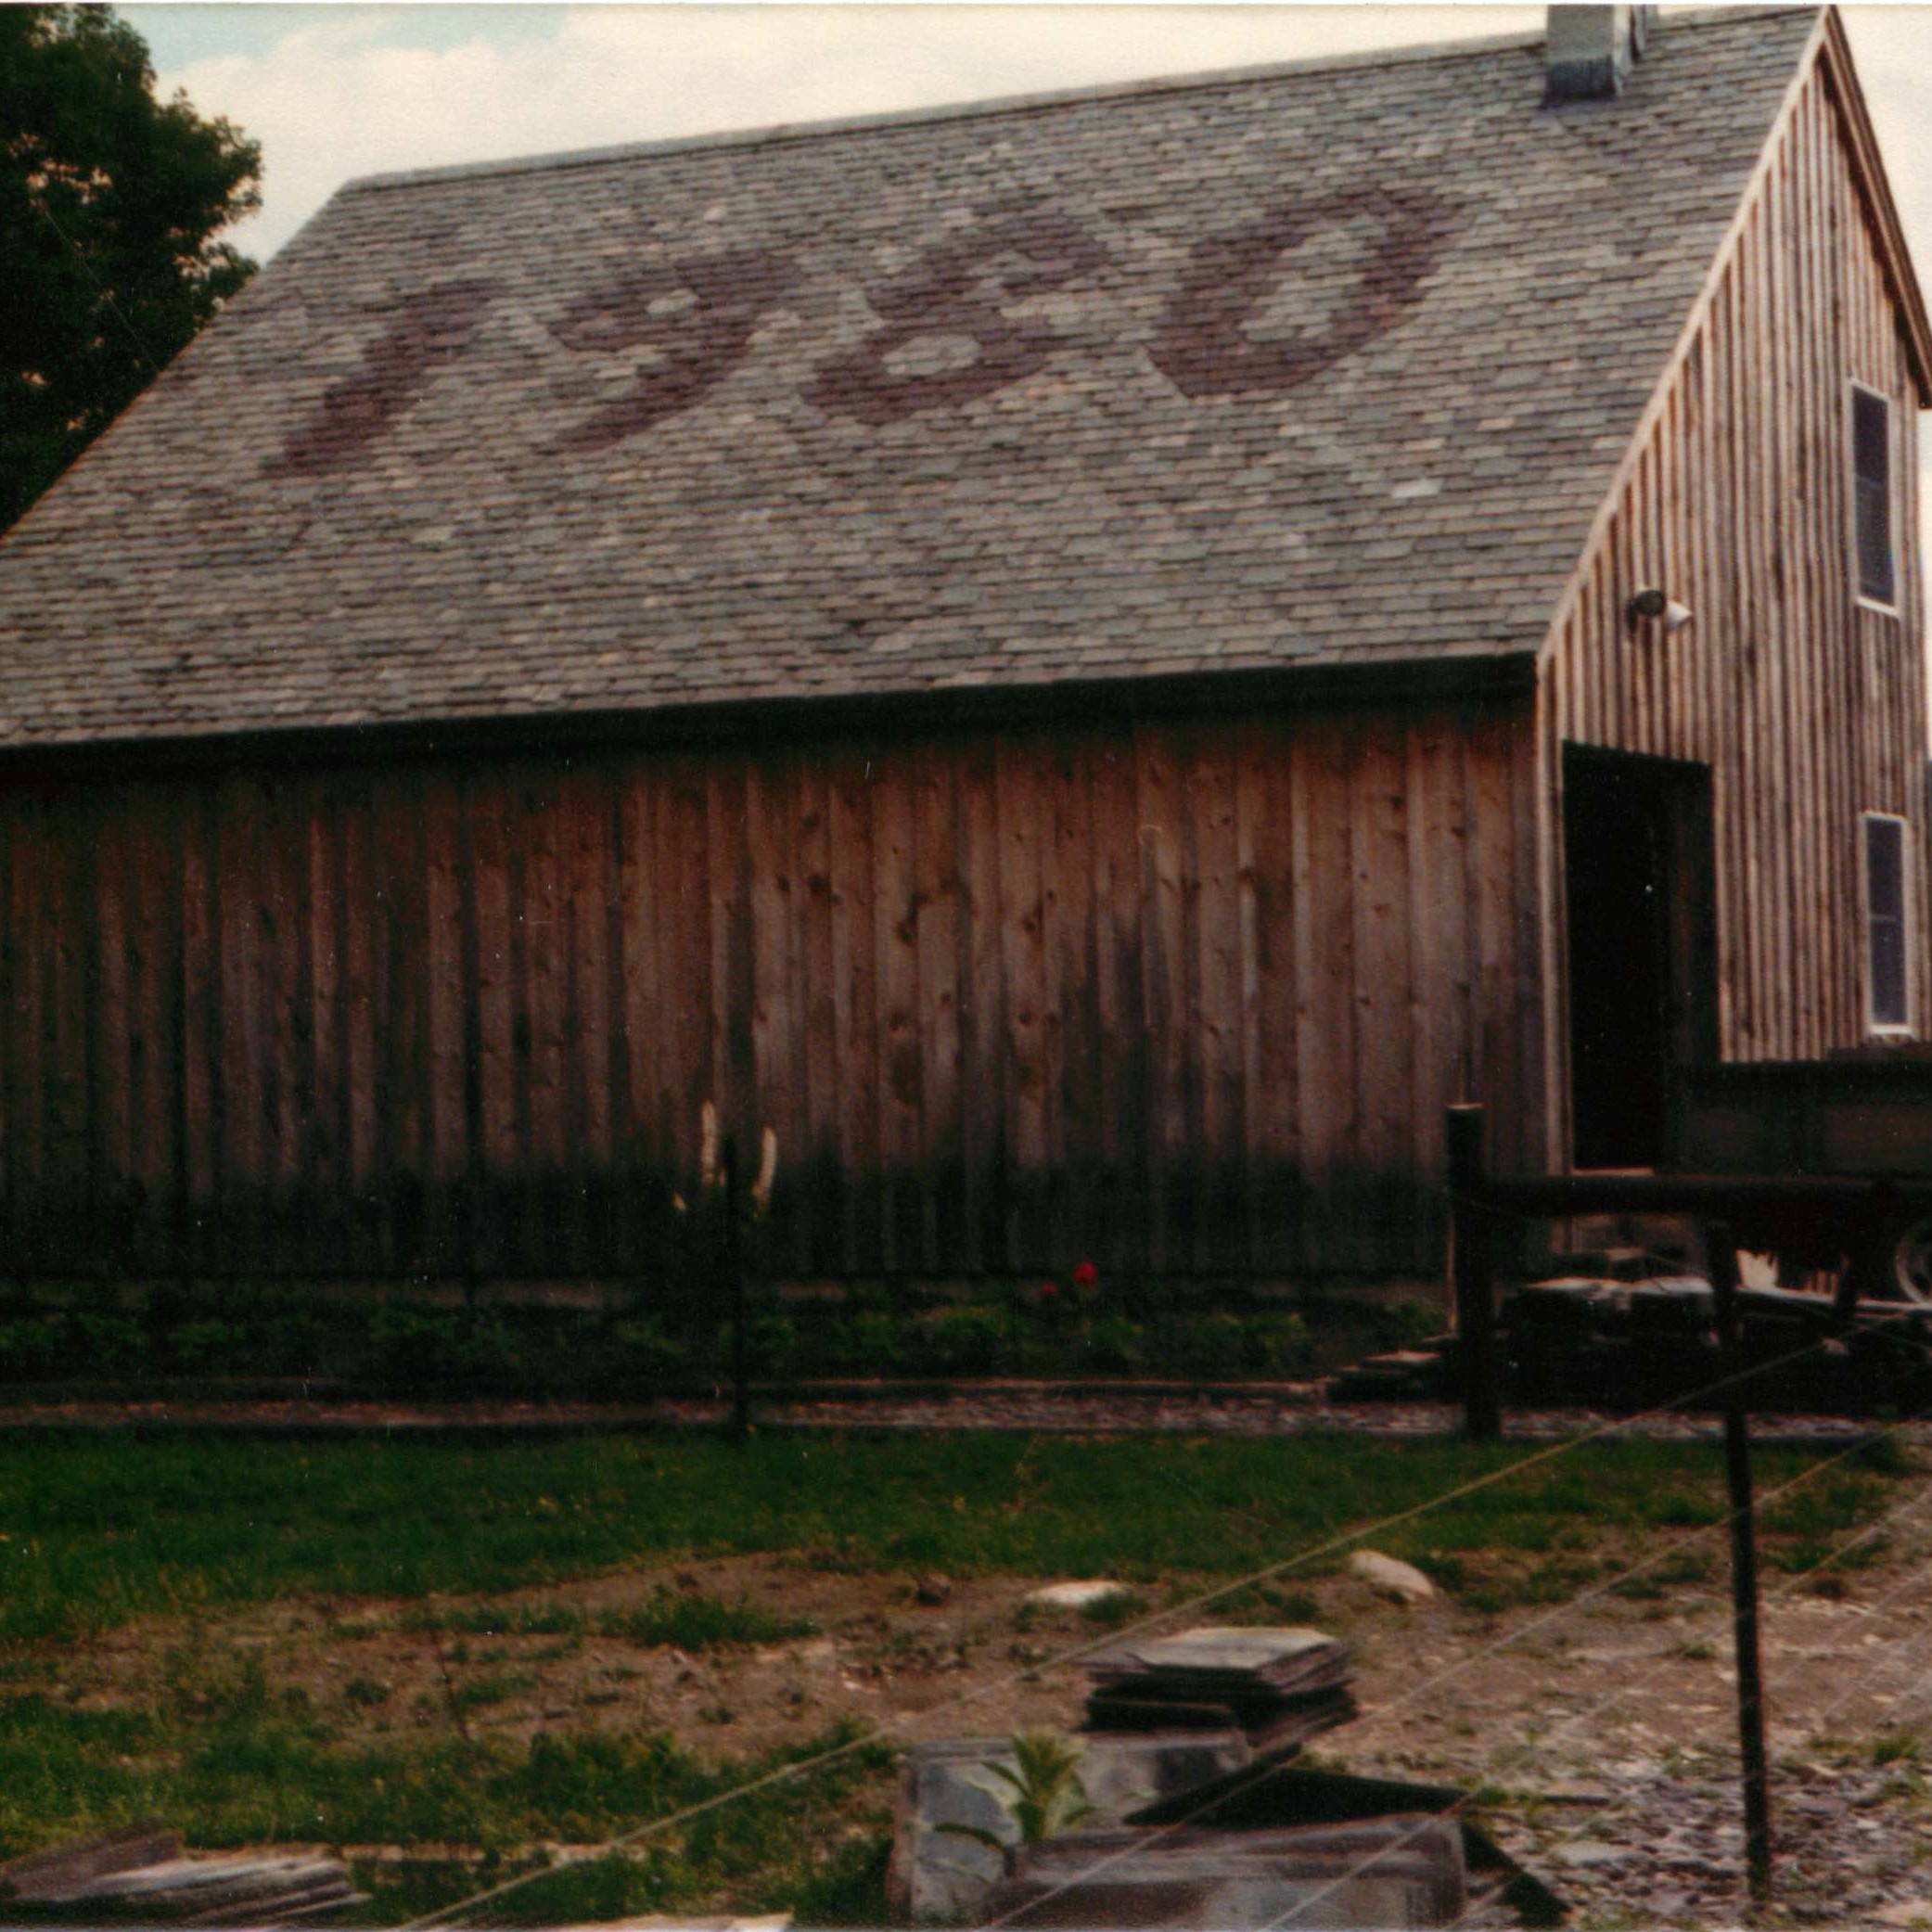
(1910, 1250)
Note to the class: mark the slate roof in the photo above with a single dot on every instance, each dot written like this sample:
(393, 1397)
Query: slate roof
(1306, 365)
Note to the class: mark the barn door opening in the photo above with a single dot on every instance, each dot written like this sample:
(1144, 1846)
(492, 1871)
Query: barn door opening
(1643, 983)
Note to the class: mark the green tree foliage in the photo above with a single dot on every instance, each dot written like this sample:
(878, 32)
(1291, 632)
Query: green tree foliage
(109, 204)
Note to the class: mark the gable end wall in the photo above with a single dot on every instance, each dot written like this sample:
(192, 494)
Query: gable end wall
(1808, 707)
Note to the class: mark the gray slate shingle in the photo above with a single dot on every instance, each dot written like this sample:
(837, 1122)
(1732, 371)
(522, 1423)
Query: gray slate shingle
(1303, 366)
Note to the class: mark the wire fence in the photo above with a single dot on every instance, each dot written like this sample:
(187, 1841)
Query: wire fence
(934, 1720)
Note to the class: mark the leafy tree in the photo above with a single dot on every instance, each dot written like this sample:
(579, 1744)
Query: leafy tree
(109, 204)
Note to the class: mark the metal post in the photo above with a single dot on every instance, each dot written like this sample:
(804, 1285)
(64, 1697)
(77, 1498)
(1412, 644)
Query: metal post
(1743, 1565)
(1472, 1260)
(734, 1268)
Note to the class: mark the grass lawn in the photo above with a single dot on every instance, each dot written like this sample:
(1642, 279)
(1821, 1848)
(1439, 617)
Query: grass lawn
(448, 1655)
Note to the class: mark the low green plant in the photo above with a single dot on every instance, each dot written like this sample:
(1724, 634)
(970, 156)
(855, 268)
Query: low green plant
(208, 1347)
(104, 1343)
(411, 1345)
(1113, 1344)
(483, 1620)
(641, 1359)
(29, 1349)
(960, 1341)
(867, 1342)
(690, 1621)
(1117, 1607)
(479, 1692)
(1042, 1790)
(773, 1344)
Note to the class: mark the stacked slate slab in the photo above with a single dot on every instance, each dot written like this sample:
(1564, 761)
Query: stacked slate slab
(1199, 1817)
(142, 1875)
(1277, 1686)
(1401, 1871)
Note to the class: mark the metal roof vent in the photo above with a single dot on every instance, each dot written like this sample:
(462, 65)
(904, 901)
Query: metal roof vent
(1592, 49)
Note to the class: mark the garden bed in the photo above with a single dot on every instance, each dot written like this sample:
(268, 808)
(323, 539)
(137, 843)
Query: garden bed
(204, 1337)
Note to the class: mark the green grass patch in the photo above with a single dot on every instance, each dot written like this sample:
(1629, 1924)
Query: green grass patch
(483, 1620)
(100, 1529)
(481, 1692)
(97, 1530)
(1667, 1576)
(241, 1770)
(691, 1620)
(1110, 1612)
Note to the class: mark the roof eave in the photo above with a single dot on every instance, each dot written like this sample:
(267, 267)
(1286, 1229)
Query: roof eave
(1500, 675)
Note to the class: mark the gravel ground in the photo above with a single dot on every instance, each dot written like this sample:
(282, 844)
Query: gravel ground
(1238, 1409)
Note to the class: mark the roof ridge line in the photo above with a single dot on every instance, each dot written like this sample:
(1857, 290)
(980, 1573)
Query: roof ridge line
(991, 109)
(566, 160)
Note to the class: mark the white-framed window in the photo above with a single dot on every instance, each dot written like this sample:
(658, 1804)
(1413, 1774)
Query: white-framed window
(1888, 925)
(1874, 565)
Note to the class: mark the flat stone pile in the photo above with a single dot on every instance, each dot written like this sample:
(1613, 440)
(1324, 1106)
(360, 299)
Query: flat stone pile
(142, 1877)
(1177, 1805)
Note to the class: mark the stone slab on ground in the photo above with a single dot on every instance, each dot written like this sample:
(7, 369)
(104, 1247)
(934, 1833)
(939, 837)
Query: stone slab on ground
(1397, 1872)
(1390, 1576)
(1081, 1595)
(940, 1871)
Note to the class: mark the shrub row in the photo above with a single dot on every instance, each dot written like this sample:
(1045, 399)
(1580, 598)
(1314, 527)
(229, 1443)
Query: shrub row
(635, 1353)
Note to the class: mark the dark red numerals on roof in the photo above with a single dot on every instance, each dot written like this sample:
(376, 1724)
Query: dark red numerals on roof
(950, 332)
(429, 329)
(1209, 344)
(699, 316)
(955, 299)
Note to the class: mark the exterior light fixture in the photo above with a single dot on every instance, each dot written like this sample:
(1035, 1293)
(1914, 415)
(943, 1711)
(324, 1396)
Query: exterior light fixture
(1653, 607)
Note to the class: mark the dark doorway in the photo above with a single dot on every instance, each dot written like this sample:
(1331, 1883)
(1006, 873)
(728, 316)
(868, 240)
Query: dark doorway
(1643, 986)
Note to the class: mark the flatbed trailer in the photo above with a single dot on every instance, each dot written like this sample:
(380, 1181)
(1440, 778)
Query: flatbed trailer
(1858, 1118)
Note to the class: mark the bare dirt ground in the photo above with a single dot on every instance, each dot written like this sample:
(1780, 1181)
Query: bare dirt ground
(1598, 1733)
(1601, 1731)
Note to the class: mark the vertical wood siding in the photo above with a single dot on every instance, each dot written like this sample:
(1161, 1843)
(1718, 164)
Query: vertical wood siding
(1808, 705)
(1185, 997)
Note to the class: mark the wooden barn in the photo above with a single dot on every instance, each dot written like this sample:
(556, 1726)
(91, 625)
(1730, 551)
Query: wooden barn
(1091, 661)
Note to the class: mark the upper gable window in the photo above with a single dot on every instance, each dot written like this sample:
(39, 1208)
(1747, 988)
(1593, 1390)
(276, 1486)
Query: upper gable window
(1872, 496)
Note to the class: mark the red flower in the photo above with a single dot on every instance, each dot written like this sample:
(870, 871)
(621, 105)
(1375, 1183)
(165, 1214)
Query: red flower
(1085, 1274)
(1048, 1290)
